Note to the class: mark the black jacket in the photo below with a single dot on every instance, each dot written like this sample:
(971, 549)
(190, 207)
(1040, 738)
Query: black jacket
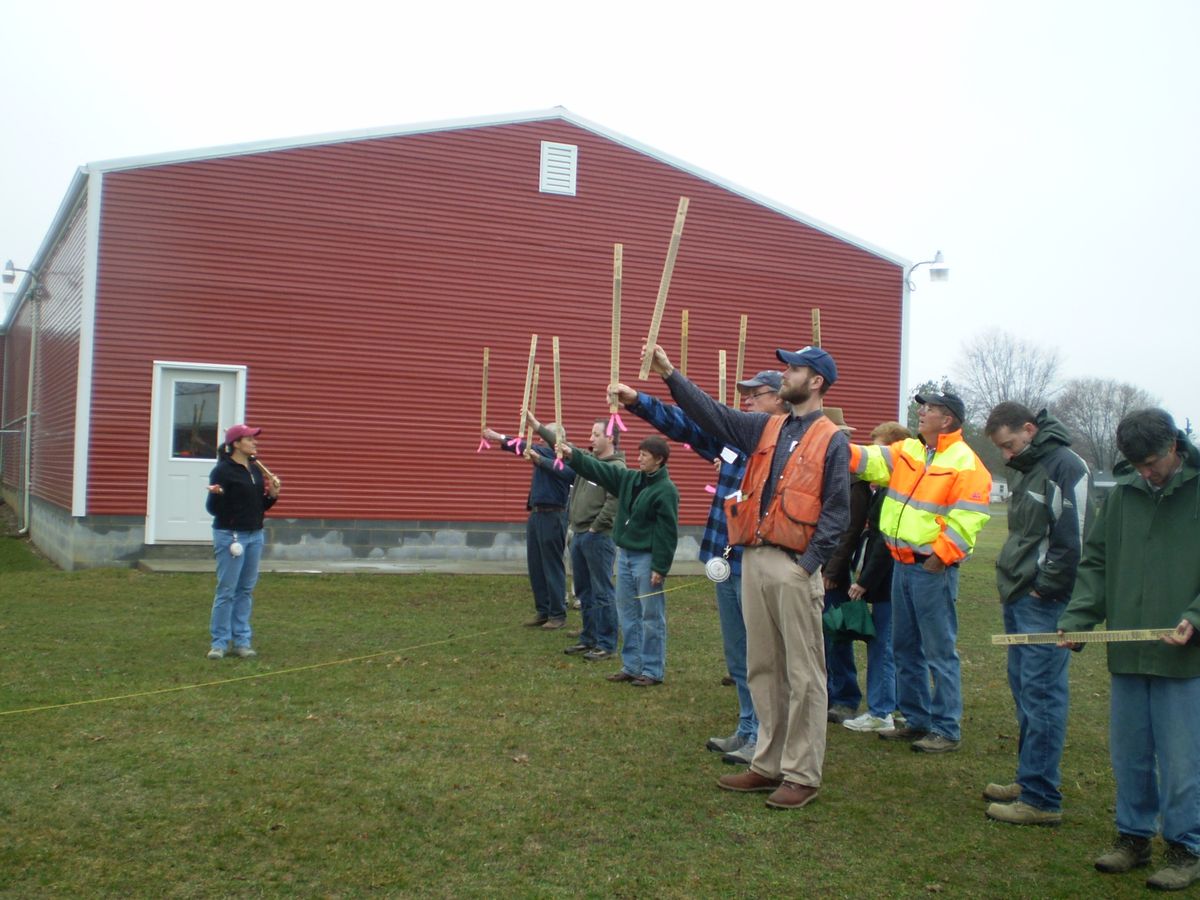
(245, 497)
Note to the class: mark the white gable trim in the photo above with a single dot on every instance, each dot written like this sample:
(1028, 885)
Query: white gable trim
(87, 347)
(557, 113)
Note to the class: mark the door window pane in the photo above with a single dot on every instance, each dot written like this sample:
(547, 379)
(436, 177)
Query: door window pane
(194, 427)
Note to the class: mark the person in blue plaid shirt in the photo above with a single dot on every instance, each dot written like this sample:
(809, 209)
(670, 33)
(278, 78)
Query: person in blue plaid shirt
(760, 394)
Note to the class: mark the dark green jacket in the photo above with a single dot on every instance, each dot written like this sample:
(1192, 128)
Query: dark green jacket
(1049, 486)
(1141, 569)
(647, 507)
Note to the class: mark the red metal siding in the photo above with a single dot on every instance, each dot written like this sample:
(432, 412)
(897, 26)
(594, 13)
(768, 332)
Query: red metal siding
(57, 363)
(360, 281)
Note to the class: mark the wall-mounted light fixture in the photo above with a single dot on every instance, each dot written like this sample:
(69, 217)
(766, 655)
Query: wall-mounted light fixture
(938, 270)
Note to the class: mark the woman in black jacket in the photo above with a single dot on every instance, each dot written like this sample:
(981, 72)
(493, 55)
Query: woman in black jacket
(874, 584)
(239, 492)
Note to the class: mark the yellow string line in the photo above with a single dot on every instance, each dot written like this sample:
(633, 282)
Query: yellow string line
(289, 671)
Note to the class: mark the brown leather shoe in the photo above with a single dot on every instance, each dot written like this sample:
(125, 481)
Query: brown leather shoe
(790, 795)
(536, 622)
(644, 681)
(748, 782)
(620, 676)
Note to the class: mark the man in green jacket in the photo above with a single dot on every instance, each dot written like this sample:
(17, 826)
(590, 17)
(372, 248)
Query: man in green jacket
(1036, 573)
(1141, 569)
(646, 530)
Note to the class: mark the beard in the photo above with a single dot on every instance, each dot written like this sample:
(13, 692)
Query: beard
(798, 394)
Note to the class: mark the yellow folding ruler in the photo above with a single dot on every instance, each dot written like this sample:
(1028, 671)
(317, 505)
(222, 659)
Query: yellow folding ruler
(1084, 637)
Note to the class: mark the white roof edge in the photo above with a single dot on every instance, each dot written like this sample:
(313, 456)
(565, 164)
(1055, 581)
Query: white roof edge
(558, 112)
(75, 192)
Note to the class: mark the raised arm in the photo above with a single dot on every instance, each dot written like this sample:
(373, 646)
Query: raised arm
(738, 429)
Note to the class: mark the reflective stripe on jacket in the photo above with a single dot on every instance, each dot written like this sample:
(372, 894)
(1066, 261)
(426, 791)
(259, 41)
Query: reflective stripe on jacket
(791, 516)
(933, 508)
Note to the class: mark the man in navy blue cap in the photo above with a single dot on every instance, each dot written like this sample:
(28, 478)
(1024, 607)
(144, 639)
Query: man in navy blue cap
(788, 515)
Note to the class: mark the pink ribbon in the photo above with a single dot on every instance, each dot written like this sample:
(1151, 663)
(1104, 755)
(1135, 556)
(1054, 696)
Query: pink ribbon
(483, 445)
(558, 463)
(687, 446)
(710, 489)
(615, 419)
(514, 442)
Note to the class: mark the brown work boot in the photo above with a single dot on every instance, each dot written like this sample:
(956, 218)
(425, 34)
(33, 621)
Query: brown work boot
(790, 795)
(1182, 870)
(620, 676)
(1128, 852)
(536, 622)
(748, 782)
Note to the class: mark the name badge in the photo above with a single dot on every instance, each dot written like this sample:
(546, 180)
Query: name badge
(729, 455)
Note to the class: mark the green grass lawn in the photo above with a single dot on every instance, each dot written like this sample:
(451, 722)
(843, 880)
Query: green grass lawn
(466, 756)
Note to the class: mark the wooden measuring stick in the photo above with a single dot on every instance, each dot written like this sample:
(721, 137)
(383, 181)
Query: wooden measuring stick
(1084, 637)
(483, 443)
(741, 357)
(528, 381)
(483, 393)
(721, 376)
(816, 327)
(537, 371)
(683, 339)
(558, 425)
(663, 285)
(614, 366)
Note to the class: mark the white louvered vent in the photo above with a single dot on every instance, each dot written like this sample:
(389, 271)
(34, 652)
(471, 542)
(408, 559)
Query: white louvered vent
(559, 162)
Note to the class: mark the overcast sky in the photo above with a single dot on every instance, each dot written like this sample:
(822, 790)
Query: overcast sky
(1050, 149)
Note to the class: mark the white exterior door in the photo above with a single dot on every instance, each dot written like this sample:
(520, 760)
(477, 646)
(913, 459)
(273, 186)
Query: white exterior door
(192, 407)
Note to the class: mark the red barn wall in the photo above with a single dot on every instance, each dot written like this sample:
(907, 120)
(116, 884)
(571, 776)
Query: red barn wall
(360, 281)
(55, 385)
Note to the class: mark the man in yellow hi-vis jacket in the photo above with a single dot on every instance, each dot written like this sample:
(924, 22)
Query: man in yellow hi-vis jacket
(937, 501)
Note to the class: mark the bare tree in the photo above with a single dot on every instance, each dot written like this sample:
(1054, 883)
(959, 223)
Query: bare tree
(1091, 408)
(997, 366)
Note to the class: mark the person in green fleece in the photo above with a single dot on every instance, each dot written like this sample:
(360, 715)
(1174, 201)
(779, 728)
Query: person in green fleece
(646, 530)
(1141, 569)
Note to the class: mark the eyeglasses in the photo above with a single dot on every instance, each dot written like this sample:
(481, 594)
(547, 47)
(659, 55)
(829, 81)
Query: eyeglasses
(758, 394)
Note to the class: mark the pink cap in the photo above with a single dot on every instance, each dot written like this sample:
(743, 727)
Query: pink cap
(237, 432)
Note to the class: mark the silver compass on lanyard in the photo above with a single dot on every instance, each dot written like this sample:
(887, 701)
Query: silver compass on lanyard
(718, 569)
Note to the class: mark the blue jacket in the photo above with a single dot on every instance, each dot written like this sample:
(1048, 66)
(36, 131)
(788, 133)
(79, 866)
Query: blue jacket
(675, 424)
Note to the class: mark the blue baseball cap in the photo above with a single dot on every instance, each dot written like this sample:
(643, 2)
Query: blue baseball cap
(814, 358)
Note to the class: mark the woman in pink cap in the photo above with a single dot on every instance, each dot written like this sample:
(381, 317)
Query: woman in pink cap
(239, 492)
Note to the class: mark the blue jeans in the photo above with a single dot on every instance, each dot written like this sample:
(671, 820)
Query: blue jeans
(592, 569)
(881, 665)
(236, 577)
(545, 543)
(924, 629)
(841, 673)
(1154, 740)
(733, 637)
(1037, 675)
(642, 611)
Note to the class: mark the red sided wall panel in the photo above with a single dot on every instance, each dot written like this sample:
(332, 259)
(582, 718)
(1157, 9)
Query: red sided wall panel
(57, 367)
(360, 281)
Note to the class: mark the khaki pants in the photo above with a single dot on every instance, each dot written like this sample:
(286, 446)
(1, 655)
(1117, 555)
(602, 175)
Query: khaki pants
(785, 660)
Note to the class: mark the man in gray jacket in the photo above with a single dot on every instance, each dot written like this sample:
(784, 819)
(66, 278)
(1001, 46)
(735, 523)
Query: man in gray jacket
(1036, 573)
